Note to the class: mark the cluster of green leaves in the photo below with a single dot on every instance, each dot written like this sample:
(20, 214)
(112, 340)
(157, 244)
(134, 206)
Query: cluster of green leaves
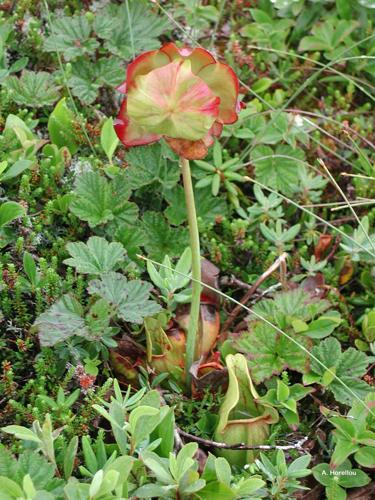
(115, 31)
(140, 463)
(296, 313)
(116, 297)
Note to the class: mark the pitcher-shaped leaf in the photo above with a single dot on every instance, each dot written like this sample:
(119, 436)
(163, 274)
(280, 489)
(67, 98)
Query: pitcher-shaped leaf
(242, 417)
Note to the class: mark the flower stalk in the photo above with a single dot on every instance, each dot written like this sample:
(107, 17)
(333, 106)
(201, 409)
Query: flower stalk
(196, 269)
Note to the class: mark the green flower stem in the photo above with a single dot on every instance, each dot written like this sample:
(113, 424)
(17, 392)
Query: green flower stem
(196, 270)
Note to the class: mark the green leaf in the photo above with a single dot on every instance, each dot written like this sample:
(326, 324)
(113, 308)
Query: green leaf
(88, 77)
(32, 89)
(70, 36)
(322, 474)
(148, 164)
(162, 239)
(275, 170)
(30, 268)
(16, 169)
(342, 451)
(153, 490)
(282, 391)
(352, 363)
(249, 486)
(41, 472)
(355, 480)
(61, 127)
(348, 366)
(21, 433)
(90, 458)
(130, 298)
(99, 201)
(270, 352)
(9, 211)
(122, 30)
(335, 492)
(261, 85)
(108, 138)
(366, 456)
(60, 322)
(10, 489)
(323, 326)
(208, 207)
(131, 238)
(97, 256)
(328, 36)
(143, 421)
(69, 456)
(359, 387)
(328, 352)
(223, 471)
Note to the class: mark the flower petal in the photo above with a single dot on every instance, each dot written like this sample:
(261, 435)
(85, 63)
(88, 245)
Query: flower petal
(129, 133)
(224, 83)
(145, 63)
(174, 102)
(191, 150)
(199, 58)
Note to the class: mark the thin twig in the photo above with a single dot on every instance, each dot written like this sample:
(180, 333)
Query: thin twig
(241, 446)
(233, 281)
(236, 311)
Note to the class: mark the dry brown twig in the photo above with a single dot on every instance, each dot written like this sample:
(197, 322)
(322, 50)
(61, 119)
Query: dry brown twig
(241, 446)
(280, 262)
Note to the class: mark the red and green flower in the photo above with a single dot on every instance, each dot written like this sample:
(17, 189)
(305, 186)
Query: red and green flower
(182, 95)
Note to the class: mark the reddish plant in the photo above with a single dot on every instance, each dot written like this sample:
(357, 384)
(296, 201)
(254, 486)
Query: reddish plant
(182, 95)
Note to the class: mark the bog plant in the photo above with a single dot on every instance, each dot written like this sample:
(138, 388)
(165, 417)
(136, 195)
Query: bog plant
(184, 96)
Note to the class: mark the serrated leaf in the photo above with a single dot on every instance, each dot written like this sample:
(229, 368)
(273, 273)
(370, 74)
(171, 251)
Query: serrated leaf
(352, 363)
(41, 472)
(359, 387)
(93, 199)
(348, 366)
(87, 77)
(162, 239)
(269, 352)
(97, 256)
(278, 169)
(131, 238)
(328, 352)
(99, 201)
(60, 322)
(70, 36)
(208, 207)
(129, 298)
(122, 29)
(33, 89)
(148, 164)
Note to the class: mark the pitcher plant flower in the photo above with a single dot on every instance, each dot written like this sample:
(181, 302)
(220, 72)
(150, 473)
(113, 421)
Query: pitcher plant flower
(243, 418)
(185, 96)
(182, 95)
